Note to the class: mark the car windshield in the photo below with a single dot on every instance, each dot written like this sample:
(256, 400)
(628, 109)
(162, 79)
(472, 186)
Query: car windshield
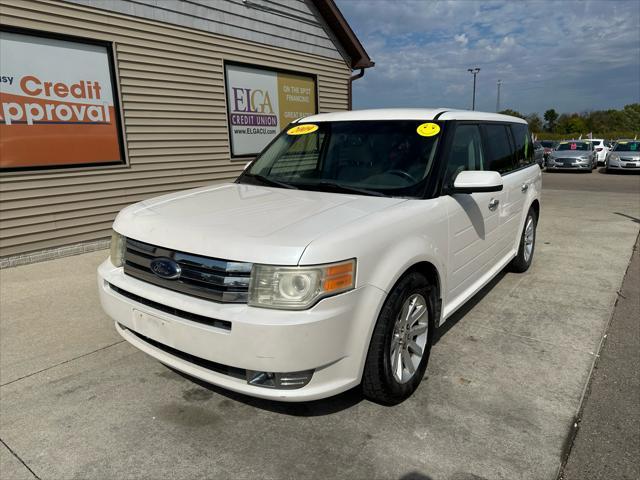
(631, 146)
(547, 144)
(363, 157)
(573, 146)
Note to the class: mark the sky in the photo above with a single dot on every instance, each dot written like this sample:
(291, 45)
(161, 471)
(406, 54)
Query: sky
(573, 56)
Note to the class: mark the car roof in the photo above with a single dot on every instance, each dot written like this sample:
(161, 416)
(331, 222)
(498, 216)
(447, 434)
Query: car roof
(427, 114)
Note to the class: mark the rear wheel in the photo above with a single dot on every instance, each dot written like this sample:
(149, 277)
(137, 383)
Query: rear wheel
(401, 341)
(522, 262)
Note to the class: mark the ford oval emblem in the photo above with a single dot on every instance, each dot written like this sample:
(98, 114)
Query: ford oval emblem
(165, 268)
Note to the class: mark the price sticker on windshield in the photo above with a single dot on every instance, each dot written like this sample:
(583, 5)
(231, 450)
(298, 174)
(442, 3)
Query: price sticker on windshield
(574, 146)
(428, 129)
(302, 129)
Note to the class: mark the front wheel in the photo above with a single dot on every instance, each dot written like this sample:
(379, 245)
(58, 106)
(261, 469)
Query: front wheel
(523, 259)
(401, 341)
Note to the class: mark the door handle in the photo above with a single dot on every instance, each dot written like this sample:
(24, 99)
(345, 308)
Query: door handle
(524, 187)
(493, 204)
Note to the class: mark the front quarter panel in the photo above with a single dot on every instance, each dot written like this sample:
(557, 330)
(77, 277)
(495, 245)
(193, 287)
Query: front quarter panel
(387, 243)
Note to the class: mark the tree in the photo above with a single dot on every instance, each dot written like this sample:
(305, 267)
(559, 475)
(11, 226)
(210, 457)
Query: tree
(550, 118)
(576, 124)
(513, 113)
(535, 122)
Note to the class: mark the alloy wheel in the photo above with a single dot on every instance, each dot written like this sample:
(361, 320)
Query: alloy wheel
(529, 238)
(409, 338)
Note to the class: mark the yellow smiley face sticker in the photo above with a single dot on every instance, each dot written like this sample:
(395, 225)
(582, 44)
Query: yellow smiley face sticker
(302, 129)
(428, 129)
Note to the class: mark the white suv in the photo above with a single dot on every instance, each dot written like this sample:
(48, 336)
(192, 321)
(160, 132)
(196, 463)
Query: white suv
(330, 262)
(601, 150)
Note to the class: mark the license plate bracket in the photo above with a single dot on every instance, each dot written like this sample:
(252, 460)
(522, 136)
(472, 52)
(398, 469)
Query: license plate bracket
(152, 326)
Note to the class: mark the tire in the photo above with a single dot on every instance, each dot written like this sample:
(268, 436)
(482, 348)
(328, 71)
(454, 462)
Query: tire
(523, 259)
(379, 382)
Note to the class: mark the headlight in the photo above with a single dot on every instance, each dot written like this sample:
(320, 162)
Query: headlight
(118, 246)
(614, 157)
(298, 288)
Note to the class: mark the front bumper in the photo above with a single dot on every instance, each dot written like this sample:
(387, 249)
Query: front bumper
(332, 338)
(627, 165)
(573, 166)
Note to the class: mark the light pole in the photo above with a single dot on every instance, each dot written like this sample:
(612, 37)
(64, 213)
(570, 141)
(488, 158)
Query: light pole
(498, 99)
(474, 72)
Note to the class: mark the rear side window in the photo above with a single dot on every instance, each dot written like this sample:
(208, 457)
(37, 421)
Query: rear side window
(522, 139)
(500, 154)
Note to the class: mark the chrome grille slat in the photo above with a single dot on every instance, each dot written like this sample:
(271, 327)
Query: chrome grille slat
(203, 277)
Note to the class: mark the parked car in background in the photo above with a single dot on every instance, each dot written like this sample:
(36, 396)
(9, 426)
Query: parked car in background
(601, 148)
(625, 155)
(538, 153)
(548, 146)
(573, 155)
(332, 259)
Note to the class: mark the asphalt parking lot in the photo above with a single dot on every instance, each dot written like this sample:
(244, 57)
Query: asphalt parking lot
(505, 380)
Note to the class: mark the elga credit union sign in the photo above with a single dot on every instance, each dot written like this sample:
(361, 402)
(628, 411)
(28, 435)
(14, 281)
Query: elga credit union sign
(262, 102)
(57, 104)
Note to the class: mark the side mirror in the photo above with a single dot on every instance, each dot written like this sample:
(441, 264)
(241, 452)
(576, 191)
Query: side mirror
(471, 181)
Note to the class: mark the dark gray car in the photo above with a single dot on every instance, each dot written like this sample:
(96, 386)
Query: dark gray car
(538, 153)
(573, 155)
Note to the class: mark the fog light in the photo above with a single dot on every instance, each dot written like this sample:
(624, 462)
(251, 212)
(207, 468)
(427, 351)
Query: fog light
(284, 381)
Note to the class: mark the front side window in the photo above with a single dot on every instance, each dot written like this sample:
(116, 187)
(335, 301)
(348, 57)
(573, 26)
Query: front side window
(368, 157)
(465, 153)
(524, 150)
(500, 151)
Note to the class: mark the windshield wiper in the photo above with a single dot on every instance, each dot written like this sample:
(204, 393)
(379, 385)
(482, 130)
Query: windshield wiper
(336, 187)
(270, 182)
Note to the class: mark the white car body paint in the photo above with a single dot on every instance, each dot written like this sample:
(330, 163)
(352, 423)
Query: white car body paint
(467, 242)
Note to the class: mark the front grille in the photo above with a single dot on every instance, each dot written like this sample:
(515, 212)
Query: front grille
(214, 279)
(565, 162)
(194, 317)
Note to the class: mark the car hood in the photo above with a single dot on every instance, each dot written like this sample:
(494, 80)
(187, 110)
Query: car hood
(571, 153)
(244, 222)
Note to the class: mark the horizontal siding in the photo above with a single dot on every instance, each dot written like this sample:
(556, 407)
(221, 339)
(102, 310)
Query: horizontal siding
(289, 24)
(175, 122)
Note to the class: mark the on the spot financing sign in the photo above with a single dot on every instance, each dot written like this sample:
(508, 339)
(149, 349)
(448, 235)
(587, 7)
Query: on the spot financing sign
(262, 102)
(57, 104)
